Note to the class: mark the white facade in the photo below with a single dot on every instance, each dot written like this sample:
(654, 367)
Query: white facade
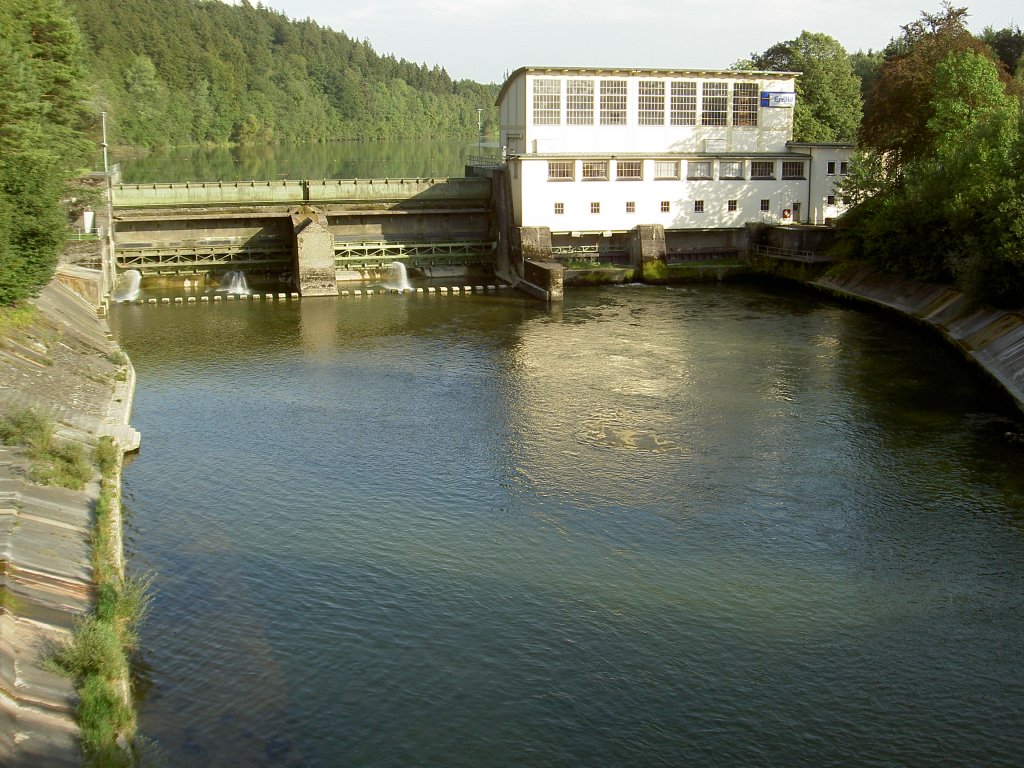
(592, 150)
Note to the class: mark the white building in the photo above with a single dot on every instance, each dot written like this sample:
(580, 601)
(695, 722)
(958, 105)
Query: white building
(604, 150)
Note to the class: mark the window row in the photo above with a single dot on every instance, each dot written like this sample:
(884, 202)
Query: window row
(600, 170)
(665, 206)
(659, 102)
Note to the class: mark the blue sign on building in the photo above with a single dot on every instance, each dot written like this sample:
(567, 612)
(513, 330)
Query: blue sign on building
(778, 99)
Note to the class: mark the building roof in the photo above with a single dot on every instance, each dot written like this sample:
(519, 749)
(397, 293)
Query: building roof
(633, 71)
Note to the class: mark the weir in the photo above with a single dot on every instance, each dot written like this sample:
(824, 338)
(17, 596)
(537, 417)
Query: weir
(312, 229)
(316, 232)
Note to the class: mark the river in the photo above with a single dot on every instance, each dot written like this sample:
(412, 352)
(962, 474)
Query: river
(720, 525)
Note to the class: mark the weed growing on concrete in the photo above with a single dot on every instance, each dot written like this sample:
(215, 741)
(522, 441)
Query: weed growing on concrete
(97, 654)
(54, 462)
(117, 357)
(16, 317)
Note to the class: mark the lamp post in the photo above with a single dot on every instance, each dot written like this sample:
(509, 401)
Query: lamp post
(479, 130)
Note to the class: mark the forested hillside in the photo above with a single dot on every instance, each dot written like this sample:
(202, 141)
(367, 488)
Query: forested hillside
(173, 72)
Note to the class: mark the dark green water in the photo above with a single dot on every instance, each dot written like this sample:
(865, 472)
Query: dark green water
(336, 160)
(710, 526)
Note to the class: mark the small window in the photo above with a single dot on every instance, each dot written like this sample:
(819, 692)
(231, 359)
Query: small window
(730, 169)
(698, 206)
(595, 170)
(844, 168)
(830, 200)
(595, 207)
(630, 207)
(698, 169)
(830, 168)
(628, 169)
(665, 208)
(666, 169)
(792, 169)
(560, 170)
(762, 169)
(559, 209)
(731, 206)
(766, 205)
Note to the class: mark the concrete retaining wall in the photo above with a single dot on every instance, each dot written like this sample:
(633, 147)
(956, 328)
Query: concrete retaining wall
(992, 338)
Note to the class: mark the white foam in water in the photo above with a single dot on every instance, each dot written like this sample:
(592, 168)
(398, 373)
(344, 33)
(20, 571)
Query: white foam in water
(235, 282)
(128, 286)
(398, 278)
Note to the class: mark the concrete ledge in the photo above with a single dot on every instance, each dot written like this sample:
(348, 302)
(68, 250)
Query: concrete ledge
(992, 338)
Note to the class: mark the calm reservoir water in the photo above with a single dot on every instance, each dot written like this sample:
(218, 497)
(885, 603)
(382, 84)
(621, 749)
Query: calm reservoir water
(707, 526)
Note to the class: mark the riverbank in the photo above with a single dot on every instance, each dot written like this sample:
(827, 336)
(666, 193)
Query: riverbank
(64, 363)
(991, 338)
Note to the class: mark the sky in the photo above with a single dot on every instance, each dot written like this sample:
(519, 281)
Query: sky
(484, 40)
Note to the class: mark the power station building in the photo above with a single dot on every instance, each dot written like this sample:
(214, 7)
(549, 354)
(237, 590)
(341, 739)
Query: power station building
(593, 152)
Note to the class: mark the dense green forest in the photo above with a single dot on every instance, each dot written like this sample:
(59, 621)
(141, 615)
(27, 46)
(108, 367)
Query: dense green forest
(174, 72)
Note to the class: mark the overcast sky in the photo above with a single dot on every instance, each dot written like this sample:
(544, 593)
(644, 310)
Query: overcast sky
(484, 39)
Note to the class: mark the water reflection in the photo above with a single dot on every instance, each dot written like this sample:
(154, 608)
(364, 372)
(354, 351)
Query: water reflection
(645, 527)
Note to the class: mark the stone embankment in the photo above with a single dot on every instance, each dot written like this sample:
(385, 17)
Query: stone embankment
(992, 338)
(68, 365)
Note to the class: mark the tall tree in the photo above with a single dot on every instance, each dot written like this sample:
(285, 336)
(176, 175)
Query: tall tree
(828, 100)
(900, 104)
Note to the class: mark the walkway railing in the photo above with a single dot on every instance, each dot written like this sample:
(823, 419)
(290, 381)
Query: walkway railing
(791, 254)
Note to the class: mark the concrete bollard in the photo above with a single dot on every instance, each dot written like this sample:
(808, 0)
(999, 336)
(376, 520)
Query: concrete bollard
(455, 289)
(467, 289)
(345, 293)
(256, 297)
(165, 300)
(230, 297)
(357, 292)
(152, 301)
(480, 288)
(218, 297)
(443, 289)
(191, 299)
(204, 298)
(431, 289)
(419, 290)
(294, 295)
(178, 300)
(282, 296)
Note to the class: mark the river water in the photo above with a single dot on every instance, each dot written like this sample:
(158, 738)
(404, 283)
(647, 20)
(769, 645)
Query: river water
(720, 525)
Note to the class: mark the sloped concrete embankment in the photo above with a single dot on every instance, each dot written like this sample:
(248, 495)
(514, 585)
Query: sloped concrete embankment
(992, 338)
(68, 365)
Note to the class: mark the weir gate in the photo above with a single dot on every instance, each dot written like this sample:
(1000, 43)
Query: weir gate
(313, 230)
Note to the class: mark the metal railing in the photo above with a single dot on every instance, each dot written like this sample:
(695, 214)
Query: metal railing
(791, 254)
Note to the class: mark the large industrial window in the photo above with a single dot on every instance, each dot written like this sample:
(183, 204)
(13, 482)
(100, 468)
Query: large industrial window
(715, 104)
(666, 169)
(730, 169)
(547, 101)
(628, 169)
(613, 102)
(595, 169)
(652, 102)
(745, 101)
(762, 169)
(684, 103)
(579, 102)
(792, 169)
(698, 169)
(560, 170)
